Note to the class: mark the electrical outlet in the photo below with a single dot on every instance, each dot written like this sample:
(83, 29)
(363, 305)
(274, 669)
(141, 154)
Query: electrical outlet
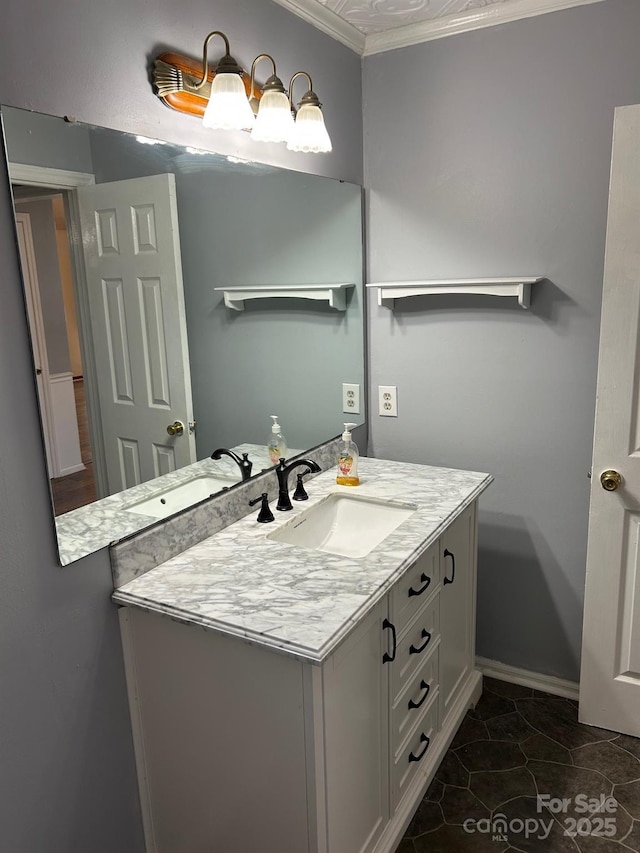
(350, 398)
(388, 401)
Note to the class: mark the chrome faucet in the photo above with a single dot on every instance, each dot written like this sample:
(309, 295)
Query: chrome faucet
(244, 464)
(283, 471)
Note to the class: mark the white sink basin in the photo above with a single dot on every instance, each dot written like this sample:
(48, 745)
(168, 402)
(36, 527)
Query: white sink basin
(180, 497)
(348, 525)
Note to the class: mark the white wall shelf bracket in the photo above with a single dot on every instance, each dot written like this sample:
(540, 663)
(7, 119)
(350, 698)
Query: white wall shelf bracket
(334, 294)
(520, 287)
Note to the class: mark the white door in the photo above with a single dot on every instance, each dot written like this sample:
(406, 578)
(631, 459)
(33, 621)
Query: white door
(610, 674)
(136, 302)
(36, 329)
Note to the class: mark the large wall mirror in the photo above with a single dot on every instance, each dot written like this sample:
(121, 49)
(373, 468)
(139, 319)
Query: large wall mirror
(177, 299)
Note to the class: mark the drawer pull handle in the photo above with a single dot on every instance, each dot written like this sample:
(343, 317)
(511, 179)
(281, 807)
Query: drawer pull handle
(447, 580)
(426, 580)
(388, 658)
(425, 740)
(415, 650)
(424, 686)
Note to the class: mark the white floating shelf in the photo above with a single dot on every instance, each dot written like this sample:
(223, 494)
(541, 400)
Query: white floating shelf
(334, 294)
(520, 287)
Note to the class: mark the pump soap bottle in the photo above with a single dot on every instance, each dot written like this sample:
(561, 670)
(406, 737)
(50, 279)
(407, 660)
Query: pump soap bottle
(348, 457)
(277, 445)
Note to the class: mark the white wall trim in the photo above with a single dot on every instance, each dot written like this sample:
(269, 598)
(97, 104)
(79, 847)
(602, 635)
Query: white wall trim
(477, 18)
(42, 176)
(326, 20)
(536, 680)
(65, 424)
(61, 179)
(33, 308)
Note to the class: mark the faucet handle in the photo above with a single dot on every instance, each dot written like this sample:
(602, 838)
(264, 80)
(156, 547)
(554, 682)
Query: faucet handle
(245, 466)
(300, 493)
(265, 515)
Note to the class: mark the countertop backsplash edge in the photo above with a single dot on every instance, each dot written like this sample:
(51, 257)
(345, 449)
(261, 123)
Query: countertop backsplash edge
(137, 554)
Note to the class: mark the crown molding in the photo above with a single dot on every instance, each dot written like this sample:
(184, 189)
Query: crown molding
(474, 19)
(326, 20)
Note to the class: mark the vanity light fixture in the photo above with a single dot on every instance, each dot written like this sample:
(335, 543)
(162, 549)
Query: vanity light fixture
(274, 122)
(228, 107)
(309, 133)
(228, 98)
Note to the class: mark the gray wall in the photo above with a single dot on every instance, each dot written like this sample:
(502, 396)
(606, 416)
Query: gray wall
(249, 224)
(68, 778)
(488, 154)
(43, 227)
(42, 140)
(93, 64)
(284, 357)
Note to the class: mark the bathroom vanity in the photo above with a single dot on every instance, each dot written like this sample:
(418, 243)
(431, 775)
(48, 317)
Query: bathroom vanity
(287, 699)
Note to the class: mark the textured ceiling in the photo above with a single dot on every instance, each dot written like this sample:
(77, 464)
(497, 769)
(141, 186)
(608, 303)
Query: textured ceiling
(374, 16)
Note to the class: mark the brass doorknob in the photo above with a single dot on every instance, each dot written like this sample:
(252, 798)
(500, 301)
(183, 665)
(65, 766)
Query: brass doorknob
(610, 480)
(176, 428)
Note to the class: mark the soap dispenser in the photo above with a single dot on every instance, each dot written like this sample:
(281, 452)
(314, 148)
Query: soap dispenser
(348, 457)
(277, 445)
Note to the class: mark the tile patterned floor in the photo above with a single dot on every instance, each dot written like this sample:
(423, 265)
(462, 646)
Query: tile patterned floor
(518, 744)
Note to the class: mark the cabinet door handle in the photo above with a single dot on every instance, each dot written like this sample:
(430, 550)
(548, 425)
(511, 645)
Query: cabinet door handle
(386, 657)
(425, 740)
(415, 650)
(426, 580)
(447, 580)
(424, 686)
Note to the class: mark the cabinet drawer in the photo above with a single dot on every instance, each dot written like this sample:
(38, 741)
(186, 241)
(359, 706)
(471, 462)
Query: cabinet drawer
(414, 588)
(413, 700)
(414, 756)
(415, 645)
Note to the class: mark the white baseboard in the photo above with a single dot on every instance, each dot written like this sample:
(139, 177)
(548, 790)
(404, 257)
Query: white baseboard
(536, 680)
(72, 469)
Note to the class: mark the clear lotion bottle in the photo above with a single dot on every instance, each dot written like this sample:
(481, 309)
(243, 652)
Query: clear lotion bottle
(348, 457)
(277, 445)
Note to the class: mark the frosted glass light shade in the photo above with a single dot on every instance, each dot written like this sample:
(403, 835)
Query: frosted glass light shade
(309, 133)
(274, 122)
(228, 107)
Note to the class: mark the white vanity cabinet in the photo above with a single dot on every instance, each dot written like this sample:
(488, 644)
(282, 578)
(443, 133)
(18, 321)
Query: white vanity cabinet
(458, 545)
(241, 748)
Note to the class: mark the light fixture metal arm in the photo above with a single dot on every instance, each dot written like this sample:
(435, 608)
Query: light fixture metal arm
(309, 97)
(205, 66)
(253, 70)
(295, 77)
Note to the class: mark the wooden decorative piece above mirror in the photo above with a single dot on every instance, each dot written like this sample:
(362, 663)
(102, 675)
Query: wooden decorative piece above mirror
(174, 78)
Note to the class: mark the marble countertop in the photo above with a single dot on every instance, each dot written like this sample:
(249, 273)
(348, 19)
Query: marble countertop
(298, 601)
(96, 525)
